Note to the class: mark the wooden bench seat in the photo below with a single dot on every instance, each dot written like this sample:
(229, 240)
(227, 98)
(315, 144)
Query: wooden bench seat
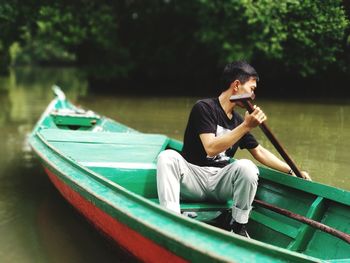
(200, 206)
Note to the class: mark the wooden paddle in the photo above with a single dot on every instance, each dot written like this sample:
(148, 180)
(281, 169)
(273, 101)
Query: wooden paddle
(245, 100)
(330, 230)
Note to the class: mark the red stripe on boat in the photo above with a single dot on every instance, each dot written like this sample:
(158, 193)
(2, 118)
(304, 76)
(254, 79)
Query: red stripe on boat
(137, 244)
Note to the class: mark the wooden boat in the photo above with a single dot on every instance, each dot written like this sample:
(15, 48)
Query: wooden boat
(107, 171)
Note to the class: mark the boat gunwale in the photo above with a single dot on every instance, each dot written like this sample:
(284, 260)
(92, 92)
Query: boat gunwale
(328, 192)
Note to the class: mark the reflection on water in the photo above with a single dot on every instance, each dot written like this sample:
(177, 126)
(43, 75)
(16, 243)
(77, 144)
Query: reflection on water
(37, 225)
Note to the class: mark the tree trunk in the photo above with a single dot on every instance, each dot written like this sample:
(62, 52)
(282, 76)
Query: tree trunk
(5, 59)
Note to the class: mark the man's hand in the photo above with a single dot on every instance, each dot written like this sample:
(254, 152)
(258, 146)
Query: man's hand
(305, 175)
(255, 118)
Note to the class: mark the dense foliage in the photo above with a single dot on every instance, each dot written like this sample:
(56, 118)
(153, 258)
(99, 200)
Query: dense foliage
(16, 20)
(306, 36)
(178, 44)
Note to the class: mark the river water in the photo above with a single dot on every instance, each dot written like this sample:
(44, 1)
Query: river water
(37, 225)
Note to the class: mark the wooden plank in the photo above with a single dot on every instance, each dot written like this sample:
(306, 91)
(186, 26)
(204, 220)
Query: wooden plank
(108, 153)
(312, 187)
(274, 224)
(121, 165)
(96, 149)
(199, 206)
(326, 246)
(58, 135)
(305, 233)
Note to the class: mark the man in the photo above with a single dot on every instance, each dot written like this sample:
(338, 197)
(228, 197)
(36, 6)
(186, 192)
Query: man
(214, 132)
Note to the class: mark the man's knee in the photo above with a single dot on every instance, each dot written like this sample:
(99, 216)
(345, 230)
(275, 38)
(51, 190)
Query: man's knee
(168, 164)
(247, 170)
(168, 157)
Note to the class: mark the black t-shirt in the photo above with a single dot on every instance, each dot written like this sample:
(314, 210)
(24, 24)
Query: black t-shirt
(207, 116)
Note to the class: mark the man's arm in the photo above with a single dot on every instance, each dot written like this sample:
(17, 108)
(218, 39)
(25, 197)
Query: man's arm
(267, 158)
(214, 145)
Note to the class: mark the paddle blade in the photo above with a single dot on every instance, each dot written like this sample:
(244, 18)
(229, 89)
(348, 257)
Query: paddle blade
(242, 97)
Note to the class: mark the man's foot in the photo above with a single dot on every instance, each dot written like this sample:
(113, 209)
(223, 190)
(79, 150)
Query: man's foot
(224, 219)
(190, 214)
(226, 222)
(239, 229)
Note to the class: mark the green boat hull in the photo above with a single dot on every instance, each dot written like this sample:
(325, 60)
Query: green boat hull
(107, 171)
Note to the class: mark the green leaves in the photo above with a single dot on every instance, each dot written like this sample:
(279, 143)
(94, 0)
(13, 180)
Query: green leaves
(176, 39)
(304, 36)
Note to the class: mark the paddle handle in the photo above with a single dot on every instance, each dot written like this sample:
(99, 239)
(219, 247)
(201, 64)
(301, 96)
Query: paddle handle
(249, 106)
(303, 219)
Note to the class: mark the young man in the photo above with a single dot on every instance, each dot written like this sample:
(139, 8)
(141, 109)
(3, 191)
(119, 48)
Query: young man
(214, 132)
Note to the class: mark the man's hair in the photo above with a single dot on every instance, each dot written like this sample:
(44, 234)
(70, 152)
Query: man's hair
(238, 70)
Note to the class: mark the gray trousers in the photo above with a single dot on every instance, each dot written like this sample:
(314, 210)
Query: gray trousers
(178, 179)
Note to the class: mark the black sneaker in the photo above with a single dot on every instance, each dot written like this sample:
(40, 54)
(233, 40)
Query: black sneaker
(239, 229)
(189, 214)
(223, 221)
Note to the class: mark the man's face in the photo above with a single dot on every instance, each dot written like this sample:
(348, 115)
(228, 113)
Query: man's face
(247, 87)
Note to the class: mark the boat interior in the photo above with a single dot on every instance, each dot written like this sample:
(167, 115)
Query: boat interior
(128, 158)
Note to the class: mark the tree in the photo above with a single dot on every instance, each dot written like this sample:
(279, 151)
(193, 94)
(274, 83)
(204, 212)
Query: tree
(302, 36)
(181, 44)
(16, 19)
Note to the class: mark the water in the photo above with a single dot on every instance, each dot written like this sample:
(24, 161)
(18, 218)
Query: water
(37, 225)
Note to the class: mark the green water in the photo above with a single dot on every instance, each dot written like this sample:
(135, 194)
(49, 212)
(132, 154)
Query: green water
(37, 225)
